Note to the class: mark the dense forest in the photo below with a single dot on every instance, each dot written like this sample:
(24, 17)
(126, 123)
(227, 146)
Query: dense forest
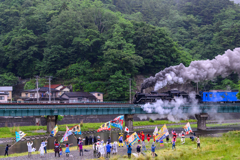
(98, 45)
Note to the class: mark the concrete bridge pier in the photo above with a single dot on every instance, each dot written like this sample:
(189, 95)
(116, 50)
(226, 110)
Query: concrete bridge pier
(51, 123)
(201, 121)
(129, 122)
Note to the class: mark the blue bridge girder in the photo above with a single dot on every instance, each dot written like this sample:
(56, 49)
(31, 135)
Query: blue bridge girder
(9, 109)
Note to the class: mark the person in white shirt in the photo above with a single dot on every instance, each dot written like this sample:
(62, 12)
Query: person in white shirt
(183, 137)
(198, 142)
(114, 147)
(29, 144)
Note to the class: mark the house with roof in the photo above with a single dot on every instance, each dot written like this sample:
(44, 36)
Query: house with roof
(98, 95)
(43, 94)
(61, 88)
(3, 97)
(78, 97)
(8, 90)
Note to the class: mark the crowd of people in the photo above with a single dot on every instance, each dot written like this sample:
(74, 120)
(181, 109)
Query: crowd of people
(101, 149)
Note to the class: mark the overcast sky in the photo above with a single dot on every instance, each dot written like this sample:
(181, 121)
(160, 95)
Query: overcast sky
(236, 1)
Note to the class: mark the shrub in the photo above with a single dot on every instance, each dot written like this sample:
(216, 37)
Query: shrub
(150, 120)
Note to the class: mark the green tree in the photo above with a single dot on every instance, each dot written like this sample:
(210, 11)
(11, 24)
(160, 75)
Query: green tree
(8, 79)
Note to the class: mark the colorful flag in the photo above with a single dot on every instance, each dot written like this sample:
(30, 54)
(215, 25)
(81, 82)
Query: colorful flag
(54, 131)
(126, 129)
(117, 122)
(19, 135)
(105, 126)
(65, 136)
(132, 139)
(155, 131)
(187, 128)
(76, 129)
(163, 133)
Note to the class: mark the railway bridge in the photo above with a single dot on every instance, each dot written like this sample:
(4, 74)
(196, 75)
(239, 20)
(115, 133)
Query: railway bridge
(52, 110)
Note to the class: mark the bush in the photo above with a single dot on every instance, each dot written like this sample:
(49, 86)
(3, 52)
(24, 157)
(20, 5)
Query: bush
(150, 120)
(60, 117)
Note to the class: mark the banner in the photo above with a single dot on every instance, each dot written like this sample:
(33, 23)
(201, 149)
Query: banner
(76, 129)
(155, 131)
(163, 133)
(19, 135)
(65, 136)
(132, 139)
(105, 126)
(117, 122)
(54, 131)
(187, 128)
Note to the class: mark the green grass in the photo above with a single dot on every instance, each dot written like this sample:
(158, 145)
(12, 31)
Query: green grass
(9, 132)
(225, 147)
(159, 122)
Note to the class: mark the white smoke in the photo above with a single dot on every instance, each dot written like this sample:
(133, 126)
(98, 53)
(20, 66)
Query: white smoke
(173, 110)
(222, 65)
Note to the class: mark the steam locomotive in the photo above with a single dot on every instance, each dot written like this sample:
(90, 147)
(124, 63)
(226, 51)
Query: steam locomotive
(218, 96)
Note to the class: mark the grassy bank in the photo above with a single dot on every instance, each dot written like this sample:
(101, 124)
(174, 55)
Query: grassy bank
(215, 148)
(8, 132)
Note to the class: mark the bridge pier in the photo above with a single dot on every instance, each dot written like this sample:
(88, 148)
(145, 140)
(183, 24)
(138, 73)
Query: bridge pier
(129, 122)
(201, 121)
(51, 123)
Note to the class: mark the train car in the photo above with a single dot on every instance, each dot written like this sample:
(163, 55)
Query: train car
(220, 97)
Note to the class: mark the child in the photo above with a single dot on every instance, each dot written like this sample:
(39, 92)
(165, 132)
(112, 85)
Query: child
(183, 138)
(60, 151)
(144, 146)
(153, 150)
(129, 151)
(56, 148)
(120, 139)
(154, 137)
(67, 151)
(138, 150)
(173, 143)
(80, 148)
(148, 137)
(114, 148)
(41, 150)
(198, 142)
(6, 150)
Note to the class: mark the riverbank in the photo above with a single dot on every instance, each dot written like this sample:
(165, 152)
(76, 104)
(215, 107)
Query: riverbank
(222, 147)
(9, 132)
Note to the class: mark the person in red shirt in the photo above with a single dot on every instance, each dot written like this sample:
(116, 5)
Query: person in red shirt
(139, 138)
(143, 136)
(148, 137)
(154, 138)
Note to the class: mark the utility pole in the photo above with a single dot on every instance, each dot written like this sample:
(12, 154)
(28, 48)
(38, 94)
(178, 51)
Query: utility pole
(130, 100)
(49, 84)
(37, 88)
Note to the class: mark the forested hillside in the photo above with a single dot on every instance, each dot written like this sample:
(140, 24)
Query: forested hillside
(98, 45)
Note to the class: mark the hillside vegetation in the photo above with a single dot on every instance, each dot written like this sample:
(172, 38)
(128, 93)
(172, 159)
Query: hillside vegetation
(98, 45)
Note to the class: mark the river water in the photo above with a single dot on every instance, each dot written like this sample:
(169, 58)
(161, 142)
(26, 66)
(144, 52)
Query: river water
(22, 145)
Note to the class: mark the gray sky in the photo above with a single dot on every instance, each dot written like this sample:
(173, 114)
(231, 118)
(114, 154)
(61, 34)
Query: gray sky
(236, 1)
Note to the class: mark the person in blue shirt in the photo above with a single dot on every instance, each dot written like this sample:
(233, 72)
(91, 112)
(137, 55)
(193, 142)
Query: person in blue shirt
(129, 151)
(108, 148)
(6, 150)
(153, 150)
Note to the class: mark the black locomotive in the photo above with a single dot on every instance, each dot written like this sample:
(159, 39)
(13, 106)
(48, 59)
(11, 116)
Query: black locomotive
(142, 98)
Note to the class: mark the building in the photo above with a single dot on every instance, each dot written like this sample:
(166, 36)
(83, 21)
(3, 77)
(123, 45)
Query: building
(78, 97)
(3, 97)
(61, 88)
(43, 95)
(7, 89)
(98, 95)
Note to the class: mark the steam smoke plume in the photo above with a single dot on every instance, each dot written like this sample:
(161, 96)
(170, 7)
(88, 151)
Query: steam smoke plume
(198, 71)
(173, 110)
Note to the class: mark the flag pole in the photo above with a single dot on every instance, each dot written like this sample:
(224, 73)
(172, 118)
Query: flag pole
(13, 144)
